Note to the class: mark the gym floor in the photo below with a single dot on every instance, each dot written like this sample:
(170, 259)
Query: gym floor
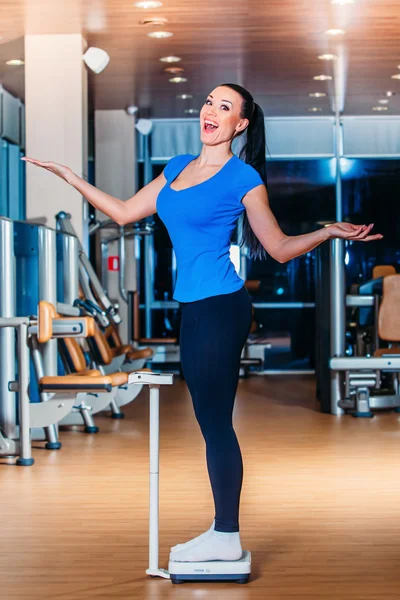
(320, 504)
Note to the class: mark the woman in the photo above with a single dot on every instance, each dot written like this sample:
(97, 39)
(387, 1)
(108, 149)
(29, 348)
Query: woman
(200, 199)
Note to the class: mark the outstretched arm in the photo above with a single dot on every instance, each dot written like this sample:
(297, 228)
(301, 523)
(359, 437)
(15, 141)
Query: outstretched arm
(141, 205)
(283, 247)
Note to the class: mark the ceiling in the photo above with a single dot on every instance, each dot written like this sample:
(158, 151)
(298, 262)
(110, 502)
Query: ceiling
(268, 46)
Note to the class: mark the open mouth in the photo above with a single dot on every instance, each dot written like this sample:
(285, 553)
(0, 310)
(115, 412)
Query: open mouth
(209, 126)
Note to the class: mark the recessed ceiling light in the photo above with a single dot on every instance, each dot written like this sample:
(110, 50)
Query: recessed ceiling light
(379, 108)
(148, 4)
(191, 111)
(174, 70)
(397, 76)
(342, 2)
(383, 101)
(154, 21)
(178, 80)
(389, 94)
(334, 32)
(170, 59)
(317, 95)
(322, 77)
(15, 62)
(184, 96)
(314, 109)
(327, 56)
(160, 34)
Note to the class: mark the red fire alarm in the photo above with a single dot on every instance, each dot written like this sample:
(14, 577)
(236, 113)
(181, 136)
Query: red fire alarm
(113, 263)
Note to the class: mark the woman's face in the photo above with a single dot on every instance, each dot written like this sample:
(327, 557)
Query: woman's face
(220, 117)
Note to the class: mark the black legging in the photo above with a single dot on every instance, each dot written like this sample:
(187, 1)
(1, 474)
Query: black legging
(212, 336)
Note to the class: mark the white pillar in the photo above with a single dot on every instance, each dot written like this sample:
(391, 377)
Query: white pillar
(115, 174)
(115, 152)
(56, 123)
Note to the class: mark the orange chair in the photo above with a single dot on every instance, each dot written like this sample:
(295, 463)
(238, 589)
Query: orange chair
(382, 271)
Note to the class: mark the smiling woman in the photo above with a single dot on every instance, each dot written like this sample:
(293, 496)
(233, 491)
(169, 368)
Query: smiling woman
(200, 199)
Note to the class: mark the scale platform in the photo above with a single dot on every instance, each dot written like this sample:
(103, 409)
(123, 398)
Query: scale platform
(217, 570)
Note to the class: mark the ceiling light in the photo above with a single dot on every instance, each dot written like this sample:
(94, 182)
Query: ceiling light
(184, 96)
(160, 34)
(322, 77)
(317, 95)
(191, 111)
(327, 56)
(379, 108)
(383, 101)
(154, 21)
(15, 62)
(174, 70)
(389, 94)
(96, 59)
(178, 80)
(342, 2)
(397, 76)
(334, 32)
(314, 109)
(170, 59)
(148, 4)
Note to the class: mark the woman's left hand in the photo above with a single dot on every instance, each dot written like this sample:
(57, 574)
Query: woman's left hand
(348, 231)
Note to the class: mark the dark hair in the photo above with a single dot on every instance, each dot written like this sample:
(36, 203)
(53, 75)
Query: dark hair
(252, 153)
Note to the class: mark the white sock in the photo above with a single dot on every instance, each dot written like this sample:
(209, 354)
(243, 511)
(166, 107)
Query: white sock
(193, 541)
(214, 545)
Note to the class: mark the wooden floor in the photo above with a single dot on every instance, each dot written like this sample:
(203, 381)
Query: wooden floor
(320, 505)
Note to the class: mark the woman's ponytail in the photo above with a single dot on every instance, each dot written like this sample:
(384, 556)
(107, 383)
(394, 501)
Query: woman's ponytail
(252, 153)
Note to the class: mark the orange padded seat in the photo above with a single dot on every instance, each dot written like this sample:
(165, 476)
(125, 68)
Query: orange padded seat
(140, 353)
(76, 383)
(88, 373)
(392, 350)
(389, 314)
(383, 271)
(118, 348)
(119, 378)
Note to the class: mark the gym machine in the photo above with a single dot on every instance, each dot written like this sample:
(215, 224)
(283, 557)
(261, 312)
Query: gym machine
(27, 268)
(56, 402)
(348, 383)
(91, 285)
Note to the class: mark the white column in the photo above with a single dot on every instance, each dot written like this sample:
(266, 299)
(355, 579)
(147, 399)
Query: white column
(56, 123)
(115, 152)
(115, 174)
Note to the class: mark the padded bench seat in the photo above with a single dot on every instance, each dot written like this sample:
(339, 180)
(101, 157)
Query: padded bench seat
(132, 353)
(78, 383)
(158, 341)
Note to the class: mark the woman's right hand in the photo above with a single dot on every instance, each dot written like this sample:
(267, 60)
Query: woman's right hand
(59, 170)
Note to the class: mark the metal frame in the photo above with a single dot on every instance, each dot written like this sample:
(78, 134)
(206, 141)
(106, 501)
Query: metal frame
(31, 415)
(154, 381)
(8, 445)
(8, 413)
(357, 373)
(86, 271)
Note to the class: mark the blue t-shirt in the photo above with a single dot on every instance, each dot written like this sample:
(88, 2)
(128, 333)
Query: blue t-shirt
(200, 221)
